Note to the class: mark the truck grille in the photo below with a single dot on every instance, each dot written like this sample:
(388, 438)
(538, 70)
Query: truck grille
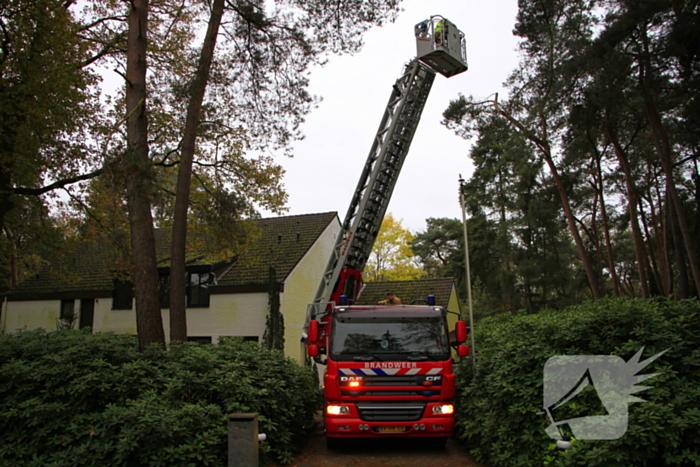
(400, 385)
(403, 380)
(390, 412)
(393, 393)
(400, 380)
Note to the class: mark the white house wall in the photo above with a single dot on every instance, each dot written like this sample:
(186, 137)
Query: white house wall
(453, 305)
(25, 315)
(241, 315)
(35, 314)
(118, 321)
(300, 289)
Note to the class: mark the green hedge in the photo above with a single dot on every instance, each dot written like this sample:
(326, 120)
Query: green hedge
(499, 408)
(71, 398)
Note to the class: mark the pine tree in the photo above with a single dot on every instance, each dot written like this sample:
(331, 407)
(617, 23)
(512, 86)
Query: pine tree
(273, 338)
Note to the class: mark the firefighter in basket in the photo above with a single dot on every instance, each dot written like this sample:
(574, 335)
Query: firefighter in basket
(390, 299)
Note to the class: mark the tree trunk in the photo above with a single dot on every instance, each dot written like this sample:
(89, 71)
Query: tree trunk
(652, 267)
(660, 229)
(14, 273)
(178, 299)
(667, 164)
(683, 283)
(544, 146)
(632, 201)
(590, 274)
(606, 231)
(665, 155)
(594, 235)
(6, 203)
(138, 172)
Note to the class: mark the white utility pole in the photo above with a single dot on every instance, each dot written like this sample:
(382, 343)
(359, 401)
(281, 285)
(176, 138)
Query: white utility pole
(469, 278)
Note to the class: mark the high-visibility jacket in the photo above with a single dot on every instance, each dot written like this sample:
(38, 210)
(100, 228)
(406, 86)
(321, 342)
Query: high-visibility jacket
(440, 26)
(390, 301)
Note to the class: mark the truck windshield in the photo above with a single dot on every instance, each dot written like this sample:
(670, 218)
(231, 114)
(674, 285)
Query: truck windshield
(398, 338)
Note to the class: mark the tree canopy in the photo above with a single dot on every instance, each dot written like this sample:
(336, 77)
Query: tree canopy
(601, 112)
(62, 128)
(392, 258)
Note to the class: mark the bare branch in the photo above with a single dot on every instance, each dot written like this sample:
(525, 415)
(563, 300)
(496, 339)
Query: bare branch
(57, 184)
(87, 27)
(177, 17)
(166, 164)
(107, 49)
(166, 156)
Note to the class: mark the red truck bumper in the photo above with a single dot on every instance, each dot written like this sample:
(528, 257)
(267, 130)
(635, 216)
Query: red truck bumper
(356, 428)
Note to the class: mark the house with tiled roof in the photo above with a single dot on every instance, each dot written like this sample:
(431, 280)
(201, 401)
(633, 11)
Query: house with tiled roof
(226, 298)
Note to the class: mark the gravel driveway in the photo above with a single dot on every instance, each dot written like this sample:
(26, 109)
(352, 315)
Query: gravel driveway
(382, 452)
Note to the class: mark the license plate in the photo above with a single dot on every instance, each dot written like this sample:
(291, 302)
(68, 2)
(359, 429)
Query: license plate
(392, 429)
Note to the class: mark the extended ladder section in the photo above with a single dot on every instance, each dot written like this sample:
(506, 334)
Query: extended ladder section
(440, 49)
(379, 175)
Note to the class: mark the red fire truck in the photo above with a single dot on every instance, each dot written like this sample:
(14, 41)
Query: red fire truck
(388, 369)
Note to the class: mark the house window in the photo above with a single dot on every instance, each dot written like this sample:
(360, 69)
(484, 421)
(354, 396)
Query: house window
(199, 339)
(68, 310)
(68, 315)
(164, 290)
(122, 295)
(198, 289)
(243, 338)
(87, 313)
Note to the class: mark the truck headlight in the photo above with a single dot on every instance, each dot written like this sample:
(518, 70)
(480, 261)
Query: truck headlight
(338, 410)
(446, 409)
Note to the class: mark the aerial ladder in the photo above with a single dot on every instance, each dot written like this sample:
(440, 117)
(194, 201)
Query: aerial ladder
(441, 48)
(388, 369)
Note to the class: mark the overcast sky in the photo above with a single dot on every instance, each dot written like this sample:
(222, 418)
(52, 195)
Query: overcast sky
(327, 164)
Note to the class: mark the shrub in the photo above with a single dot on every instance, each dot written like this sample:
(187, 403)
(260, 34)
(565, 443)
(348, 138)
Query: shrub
(500, 407)
(71, 398)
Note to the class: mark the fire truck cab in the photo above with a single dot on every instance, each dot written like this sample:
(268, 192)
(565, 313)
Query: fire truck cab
(388, 370)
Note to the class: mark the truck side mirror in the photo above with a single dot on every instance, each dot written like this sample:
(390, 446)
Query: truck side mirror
(461, 332)
(463, 350)
(312, 350)
(313, 331)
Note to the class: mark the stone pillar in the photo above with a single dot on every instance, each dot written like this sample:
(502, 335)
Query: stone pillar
(243, 440)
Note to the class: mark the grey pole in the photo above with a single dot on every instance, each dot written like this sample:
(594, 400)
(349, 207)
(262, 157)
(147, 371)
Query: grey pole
(469, 278)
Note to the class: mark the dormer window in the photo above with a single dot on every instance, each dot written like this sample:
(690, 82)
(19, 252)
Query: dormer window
(198, 289)
(122, 295)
